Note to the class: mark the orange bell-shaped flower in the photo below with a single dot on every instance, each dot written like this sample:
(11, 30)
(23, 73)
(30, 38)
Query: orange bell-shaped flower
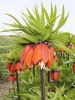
(19, 67)
(27, 55)
(11, 68)
(41, 53)
(35, 54)
(70, 46)
(11, 78)
(55, 75)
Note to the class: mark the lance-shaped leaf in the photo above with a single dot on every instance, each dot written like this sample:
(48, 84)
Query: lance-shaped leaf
(62, 20)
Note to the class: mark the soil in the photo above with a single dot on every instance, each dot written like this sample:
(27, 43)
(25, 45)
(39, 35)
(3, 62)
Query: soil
(4, 89)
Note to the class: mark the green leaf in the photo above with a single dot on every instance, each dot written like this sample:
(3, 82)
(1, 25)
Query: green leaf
(53, 17)
(47, 35)
(14, 18)
(42, 16)
(30, 15)
(46, 14)
(59, 44)
(51, 14)
(55, 11)
(61, 23)
(30, 38)
(11, 30)
(62, 20)
(63, 12)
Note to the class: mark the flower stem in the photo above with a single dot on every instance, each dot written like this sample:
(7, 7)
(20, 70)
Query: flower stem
(33, 70)
(62, 54)
(68, 65)
(48, 76)
(17, 86)
(43, 94)
(13, 87)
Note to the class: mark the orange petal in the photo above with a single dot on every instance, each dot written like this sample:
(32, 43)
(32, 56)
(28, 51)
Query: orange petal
(52, 75)
(28, 58)
(37, 54)
(19, 67)
(9, 66)
(52, 51)
(56, 75)
(12, 69)
(49, 63)
(11, 78)
(24, 53)
(44, 52)
(51, 57)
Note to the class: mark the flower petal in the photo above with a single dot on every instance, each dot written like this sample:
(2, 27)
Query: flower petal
(9, 66)
(19, 67)
(51, 57)
(37, 54)
(11, 78)
(24, 53)
(52, 51)
(12, 69)
(28, 58)
(44, 52)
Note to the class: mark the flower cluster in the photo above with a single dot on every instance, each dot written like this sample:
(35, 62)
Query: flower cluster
(33, 54)
(17, 67)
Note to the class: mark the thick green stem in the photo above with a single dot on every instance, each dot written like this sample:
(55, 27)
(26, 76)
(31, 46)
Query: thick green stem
(43, 94)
